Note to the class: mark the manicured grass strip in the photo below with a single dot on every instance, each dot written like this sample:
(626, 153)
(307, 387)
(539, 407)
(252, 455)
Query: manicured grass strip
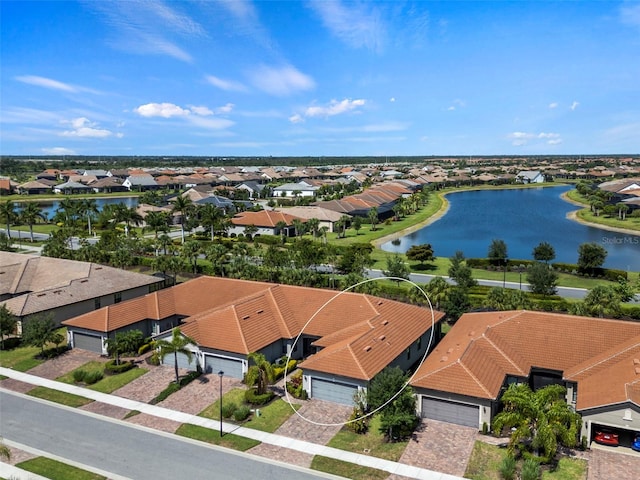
(372, 442)
(272, 416)
(346, 469)
(20, 359)
(485, 460)
(68, 399)
(109, 383)
(208, 435)
(57, 470)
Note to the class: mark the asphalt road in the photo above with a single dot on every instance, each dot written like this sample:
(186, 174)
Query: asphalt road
(128, 451)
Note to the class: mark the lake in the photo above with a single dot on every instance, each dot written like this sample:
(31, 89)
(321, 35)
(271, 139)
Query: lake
(49, 207)
(522, 218)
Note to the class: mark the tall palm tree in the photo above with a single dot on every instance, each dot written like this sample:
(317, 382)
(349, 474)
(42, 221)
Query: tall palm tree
(281, 226)
(182, 205)
(298, 227)
(438, 291)
(8, 214)
(217, 255)
(177, 344)
(68, 211)
(157, 221)
(373, 217)
(210, 217)
(30, 214)
(313, 224)
(260, 374)
(190, 251)
(165, 242)
(128, 215)
(88, 208)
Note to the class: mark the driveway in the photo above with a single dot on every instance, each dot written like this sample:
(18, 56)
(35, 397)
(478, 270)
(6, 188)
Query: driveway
(619, 463)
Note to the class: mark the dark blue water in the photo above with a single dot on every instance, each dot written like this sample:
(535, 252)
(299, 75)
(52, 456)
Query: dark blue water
(522, 218)
(49, 207)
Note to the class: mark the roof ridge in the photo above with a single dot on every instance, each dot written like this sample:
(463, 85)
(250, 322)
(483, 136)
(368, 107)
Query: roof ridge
(355, 357)
(237, 320)
(480, 384)
(277, 308)
(499, 350)
(609, 358)
(21, 271)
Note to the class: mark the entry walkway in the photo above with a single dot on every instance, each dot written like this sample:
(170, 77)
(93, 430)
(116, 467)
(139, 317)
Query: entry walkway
(268, 438)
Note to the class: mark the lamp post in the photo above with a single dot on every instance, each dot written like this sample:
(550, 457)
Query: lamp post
(520, 269)
(220, 374)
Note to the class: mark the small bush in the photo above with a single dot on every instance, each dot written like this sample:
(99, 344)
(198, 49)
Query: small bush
(241, 413)
(110, 368)
(228, 409)
(78, 376)
(357, 423)
(11, 343)
(530, 470)
(485, 428)
(172, 388)
(93, 377)
(294, 386)
(144, 349)
(250, 396)
(507, 468)
(189, 377)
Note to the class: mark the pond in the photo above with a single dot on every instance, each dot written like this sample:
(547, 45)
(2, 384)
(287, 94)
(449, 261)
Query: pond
(522, 218)
(49, 207)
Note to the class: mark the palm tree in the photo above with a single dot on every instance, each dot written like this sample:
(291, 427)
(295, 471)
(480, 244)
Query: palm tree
(8, 214)
(88, 207)
(313, 224)
(210, 216)
(177, 344)
(157, 221)
(298, 227)
(260, 374)
(249, 231)
(217, 255)
(323, 232)
(68, 211)
(30, 214)
(281, 227)
(438, 291)
(165, 242)
(190, 251)
(182, 205)
(543, 417)
(344, 223)
(128, 215)
(373, 217)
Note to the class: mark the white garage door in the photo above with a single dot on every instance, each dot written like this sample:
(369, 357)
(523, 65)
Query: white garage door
(183, 361)
(452, 412)
(87, 342)
(230, 367)
(336, 392)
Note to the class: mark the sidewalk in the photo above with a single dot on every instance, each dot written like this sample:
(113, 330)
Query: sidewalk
(267, 438)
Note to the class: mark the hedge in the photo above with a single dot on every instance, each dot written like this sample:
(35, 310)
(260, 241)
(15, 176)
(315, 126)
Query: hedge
(253, 398)
(112, 369)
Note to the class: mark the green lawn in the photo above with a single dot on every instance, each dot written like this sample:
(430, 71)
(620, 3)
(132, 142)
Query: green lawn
(485, 461)
(272, 416)
(346, 469)
(109, 383)
(372, 442)
(57, 396)
(56, 470)
(208, 435)
(20, 359)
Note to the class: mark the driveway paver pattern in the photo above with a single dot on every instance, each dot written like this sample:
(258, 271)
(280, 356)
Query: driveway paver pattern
(319, 412)
(65, 363)
(609, 465)
(200, 393)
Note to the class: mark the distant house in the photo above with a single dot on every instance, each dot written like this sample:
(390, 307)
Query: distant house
(597, 360)
(140, 182)
(6, 187)
(300, 189)
(34, 187)
(327, 218)
(108, 185)
(530, 176)
(265, 220)
(254, 188)
(352, 337)
(71, 187)
(31, 285)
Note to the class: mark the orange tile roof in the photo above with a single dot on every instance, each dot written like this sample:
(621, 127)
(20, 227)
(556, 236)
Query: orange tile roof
(264, 218)
(242, 316)
(483, 348)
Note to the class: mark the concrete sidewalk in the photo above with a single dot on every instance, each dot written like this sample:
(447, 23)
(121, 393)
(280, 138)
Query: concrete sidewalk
(268, 438)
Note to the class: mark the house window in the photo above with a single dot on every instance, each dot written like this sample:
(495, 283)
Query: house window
(117, 297)
(409, 353)
(97, 303)
(419, 343)
(574, 395)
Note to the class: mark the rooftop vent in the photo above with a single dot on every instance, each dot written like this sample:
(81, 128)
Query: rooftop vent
(472, 333)
(260, 311)
(636, 361)
(84, 281)
(41, 294)
(245, 317)
(98, 268)
(450, 350)
(384, 322)
(444, 358)
(380, 302)
(367, 348)
(637, 370)
(382, 337)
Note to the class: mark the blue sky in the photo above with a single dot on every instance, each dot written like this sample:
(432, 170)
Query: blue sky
(319, 78)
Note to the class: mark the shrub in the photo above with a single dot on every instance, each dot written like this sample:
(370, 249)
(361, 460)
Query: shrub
(92, 377)
(250, 396)
(189, 377)
(228, 409)
(172, 388)
(144, 349)
(78, 375)
(485, 428)
(241, 413)
(357, 423)
(530, 470)
(110, 368)
(11, 343)
(294, 386)
(507, 468)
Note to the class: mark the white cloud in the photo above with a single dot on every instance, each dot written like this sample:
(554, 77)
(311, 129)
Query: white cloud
(356, 24)
(281, 81)
(227, 85)
(58, 151)
(210, 123)
(164, 110)
(574, 105)
(82, 127)
(227, 108)
(202, 111)
(524, 138)
(392, 99)
(46, 83)
(334, 108)
(553, 105)
(456, 103)
(296, 118)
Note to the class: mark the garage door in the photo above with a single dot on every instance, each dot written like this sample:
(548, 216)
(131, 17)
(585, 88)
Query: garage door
(87, 342)
(230, 367)
(183, 361)
(452, 412)
(333, 391)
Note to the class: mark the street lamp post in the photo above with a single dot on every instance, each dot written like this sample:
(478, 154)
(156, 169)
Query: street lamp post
(520, 269)
(220, 374)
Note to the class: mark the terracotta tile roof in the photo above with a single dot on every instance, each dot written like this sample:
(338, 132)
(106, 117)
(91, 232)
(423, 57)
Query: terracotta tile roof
(263, 218)
(483, 348)
(361, 334)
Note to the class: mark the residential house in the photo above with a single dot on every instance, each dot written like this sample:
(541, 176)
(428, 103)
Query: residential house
(254, 188)
(265, 221)
(597, 360)
(71, 187)
(35, 187)
(530, 176)
(31, 285)
(327, 218)
(140, 182)
(345, 339)
(292, 190)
